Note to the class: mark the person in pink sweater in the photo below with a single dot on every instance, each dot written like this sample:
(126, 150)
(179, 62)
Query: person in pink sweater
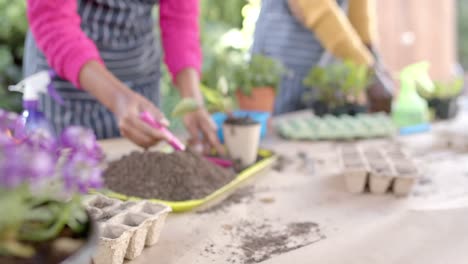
(107, 55)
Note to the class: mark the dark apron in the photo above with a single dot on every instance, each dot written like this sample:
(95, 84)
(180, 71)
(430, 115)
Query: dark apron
(123, 31)
(279, 34)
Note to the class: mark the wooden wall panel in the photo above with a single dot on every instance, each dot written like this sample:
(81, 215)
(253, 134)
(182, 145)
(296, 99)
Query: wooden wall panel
(429, 23)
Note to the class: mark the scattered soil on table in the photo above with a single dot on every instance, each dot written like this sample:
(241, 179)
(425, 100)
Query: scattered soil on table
(281, 163)
(254, 241)
(261, 241)
(267, 200)
(178, 176)
(265, 241)
(242, 195)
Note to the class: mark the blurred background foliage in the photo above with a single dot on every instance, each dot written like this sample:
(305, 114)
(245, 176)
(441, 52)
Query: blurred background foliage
(227, 28)
(13, 27)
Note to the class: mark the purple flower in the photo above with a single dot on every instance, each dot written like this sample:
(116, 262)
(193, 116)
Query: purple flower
(82, 172)
(80, 139)
(8, 120)
(41, 139)
(19, 163)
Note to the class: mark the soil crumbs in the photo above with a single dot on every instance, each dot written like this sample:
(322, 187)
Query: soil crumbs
(178, 176)
(254, 242)
(242, 195)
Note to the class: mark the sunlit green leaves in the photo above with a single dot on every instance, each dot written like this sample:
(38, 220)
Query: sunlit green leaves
(185, 106)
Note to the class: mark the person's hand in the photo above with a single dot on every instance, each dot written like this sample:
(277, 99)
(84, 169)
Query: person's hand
(126, 104)
(127, 111)
(381, 91)
(202, 130)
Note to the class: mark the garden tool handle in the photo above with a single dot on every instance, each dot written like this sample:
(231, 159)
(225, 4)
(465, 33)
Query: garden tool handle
(171, 138)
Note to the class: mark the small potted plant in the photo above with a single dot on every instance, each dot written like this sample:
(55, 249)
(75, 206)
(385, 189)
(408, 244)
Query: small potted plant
(241, 133)
(257, 82)
(340, 88)
(42, 180)
(443, 98)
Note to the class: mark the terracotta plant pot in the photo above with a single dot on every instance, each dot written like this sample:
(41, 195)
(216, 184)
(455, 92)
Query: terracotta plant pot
(262, 99)
(242, 141)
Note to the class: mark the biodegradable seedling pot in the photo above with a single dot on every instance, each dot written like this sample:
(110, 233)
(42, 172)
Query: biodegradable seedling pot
(406, 177)
(355, 179)
(402, 185)
(157, 214)
(113, 244)
(242, 138)
(138, 224)
(261, 99)
(379, 182)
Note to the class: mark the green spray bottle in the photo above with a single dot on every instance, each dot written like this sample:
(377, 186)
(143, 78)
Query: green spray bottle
(410, 110)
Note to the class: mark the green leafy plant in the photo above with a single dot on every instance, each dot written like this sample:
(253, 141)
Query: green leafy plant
(219, 99)
(260, 71)
(443, 90)
(185, 106)
(339, 83)
(13, 30)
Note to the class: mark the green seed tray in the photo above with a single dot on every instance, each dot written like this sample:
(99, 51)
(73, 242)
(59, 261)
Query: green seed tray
(343, 127)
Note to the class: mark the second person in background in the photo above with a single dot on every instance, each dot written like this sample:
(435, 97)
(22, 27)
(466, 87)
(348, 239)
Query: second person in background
(299, 32)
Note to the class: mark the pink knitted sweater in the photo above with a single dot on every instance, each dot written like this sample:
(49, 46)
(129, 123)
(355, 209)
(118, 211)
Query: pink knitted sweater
(55, 25)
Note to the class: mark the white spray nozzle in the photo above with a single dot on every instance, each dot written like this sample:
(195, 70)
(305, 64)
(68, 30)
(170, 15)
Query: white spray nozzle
(35, 84)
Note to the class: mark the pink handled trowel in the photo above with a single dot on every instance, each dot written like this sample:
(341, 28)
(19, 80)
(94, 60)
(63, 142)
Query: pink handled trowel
(175, 142)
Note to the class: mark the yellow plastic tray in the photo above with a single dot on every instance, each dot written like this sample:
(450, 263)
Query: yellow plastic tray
(267, 158)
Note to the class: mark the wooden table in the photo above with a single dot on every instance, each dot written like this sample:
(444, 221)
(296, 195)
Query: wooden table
(429, 226)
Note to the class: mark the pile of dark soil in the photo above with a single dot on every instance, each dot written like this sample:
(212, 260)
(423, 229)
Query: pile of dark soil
(178, 176)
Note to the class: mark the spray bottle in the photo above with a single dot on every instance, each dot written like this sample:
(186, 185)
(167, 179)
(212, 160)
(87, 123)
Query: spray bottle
(31, 87)
(410, 111)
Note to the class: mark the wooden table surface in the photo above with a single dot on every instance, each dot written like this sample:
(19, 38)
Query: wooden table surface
(429, 226)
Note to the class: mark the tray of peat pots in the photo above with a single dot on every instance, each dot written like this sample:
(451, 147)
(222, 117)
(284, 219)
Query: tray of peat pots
(381, 169)
(337, 89)
(443, 99)
(126, 227)
(42, 217)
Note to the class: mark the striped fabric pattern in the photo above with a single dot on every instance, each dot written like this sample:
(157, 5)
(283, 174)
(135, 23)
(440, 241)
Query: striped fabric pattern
(278, 34)
(123, 31)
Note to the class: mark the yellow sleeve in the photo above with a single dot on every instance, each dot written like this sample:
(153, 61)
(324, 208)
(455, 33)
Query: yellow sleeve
(362, 15)
(333, 29)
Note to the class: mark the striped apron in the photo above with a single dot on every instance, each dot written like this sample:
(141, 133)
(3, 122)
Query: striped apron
(280, 35)
(123, 32)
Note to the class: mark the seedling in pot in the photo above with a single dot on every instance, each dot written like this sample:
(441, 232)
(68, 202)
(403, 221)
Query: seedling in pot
(257, 82)
(241, 134)
(341, 88)
(443, 99)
